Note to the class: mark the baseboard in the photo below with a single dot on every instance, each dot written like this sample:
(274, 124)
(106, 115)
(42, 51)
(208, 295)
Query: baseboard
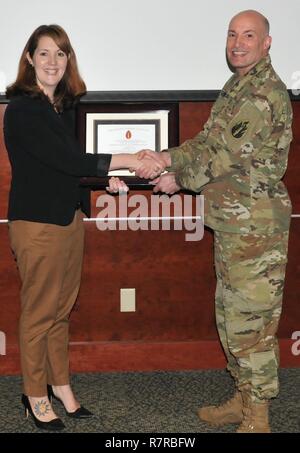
(138, 356)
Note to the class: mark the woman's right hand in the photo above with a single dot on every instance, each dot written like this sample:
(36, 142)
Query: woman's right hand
(150, 164)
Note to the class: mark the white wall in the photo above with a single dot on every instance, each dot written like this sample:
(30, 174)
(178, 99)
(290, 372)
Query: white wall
(149, 44)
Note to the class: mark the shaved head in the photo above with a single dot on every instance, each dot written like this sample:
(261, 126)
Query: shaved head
(265, 25)
(248, 40)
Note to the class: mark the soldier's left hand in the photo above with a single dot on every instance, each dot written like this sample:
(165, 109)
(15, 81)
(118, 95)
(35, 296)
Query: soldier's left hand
(165, 183)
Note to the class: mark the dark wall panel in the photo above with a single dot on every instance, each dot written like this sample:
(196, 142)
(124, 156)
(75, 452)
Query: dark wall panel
(174, 281)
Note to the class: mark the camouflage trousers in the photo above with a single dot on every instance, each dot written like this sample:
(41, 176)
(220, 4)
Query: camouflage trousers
(250, 279)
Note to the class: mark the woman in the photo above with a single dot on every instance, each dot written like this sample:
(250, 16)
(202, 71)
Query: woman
(45, 213)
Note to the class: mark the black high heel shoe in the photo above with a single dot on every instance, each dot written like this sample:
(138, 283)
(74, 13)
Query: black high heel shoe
(81, 412)
(54, 425)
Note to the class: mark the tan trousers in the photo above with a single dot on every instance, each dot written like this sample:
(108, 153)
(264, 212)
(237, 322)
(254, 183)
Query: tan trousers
(49, 258)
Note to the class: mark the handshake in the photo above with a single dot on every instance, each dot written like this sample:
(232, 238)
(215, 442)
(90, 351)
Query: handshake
(150, 164)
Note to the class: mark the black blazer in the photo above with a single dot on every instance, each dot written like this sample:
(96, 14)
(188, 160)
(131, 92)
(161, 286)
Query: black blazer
(46, 162)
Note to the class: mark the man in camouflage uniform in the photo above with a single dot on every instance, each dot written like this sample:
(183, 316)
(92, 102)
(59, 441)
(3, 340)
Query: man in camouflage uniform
(237, 163)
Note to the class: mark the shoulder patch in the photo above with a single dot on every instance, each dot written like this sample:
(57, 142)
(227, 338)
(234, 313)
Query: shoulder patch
(239, 129)
(244, 127)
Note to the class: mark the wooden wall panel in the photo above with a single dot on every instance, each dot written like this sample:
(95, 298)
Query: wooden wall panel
(173, 280)
(291, 178)
(290, 319)
(5, 172)
(173, 326)
(9, 288)
(192, 116)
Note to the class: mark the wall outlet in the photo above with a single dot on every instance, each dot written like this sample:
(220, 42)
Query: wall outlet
(127, 299)
(2, 343)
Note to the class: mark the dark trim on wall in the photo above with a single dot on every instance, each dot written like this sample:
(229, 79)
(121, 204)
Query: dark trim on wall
(92, 97)
(151, 96)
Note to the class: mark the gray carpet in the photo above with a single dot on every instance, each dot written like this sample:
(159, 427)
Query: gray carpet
(156, 402)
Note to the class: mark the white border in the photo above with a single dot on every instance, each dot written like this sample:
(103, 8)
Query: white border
(161, 115)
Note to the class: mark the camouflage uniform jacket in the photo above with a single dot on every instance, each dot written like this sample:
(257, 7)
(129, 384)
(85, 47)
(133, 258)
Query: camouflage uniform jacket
(239, 158)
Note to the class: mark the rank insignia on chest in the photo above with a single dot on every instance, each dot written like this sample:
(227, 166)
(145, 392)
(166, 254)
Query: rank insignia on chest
(239, 129)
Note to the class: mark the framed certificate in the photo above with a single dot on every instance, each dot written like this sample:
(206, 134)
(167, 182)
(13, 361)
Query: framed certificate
(114, 133)
(125, 127)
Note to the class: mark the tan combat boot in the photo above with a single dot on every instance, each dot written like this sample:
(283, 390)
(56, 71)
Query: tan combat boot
(256, 416)
(229, 412)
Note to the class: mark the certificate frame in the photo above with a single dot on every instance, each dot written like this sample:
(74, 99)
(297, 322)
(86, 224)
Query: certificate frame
(126, 132)
(91, 119)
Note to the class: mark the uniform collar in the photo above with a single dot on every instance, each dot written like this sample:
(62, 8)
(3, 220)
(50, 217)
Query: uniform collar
(262, 65)
(235, 83)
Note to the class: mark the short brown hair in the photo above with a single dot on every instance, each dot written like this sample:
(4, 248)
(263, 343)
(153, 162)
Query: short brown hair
(71, 85)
